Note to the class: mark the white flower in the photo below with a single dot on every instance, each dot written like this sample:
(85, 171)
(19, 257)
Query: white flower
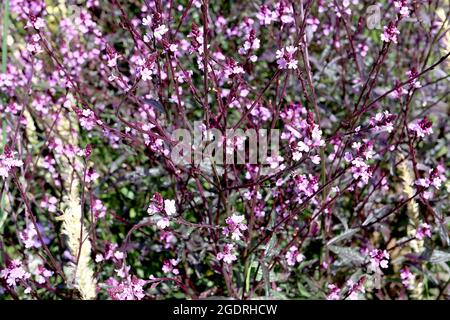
(173, 47)
(160, 31)
(163, 223)
(169, 207)
(147, 21)
(315, 159)
(146, 74)
(112, 62)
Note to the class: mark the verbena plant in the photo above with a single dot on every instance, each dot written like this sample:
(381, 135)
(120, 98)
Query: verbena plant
(120, 179)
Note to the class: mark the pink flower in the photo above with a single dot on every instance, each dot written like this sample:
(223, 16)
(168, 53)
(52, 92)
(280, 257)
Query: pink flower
(160, 31)
(251, 44)
(235, 226)
(91, 175)
(146, 74)
(402, 7)
(169, 207)
(29, 237)
(87, 118)
(286, 58)
(42, 274)
(112, 60)
(435, 179)
(169, 267)
(413, 76)
(383, 121)
(147, 21)
(423, 231)
(35, 22)
(128, 289)
(334, 292)
(378, 259)
(163, 223)
(7, 162)
(226, 254)
(14, 273)
(33, 45)
(168, 238)
(407, 277)
(156, 204)
(399, 91)
(284, 12)
(361, 170)
(49, 203)
(390, 33)
(293, 256)
(422, 128)
(355, 288)
(265, 16)
(99, 209)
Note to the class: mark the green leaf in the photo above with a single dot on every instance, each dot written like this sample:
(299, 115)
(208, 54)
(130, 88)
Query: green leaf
(345, 235)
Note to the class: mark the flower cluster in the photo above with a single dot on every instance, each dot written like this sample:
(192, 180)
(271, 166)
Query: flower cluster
(127, 289)
(407, 277)
(169, 267)
(390, 33)
(227, 254)
(234, 226)
(293, 256)
(422, 128)
(8, 162)
(286, 58)
(159, 205)
(423, 231)
(14, 273)
(378, 259)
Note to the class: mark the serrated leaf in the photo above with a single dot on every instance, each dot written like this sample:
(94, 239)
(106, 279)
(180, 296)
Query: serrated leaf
(348, 254)
(439, 256)
(345, 235)
(155, 104)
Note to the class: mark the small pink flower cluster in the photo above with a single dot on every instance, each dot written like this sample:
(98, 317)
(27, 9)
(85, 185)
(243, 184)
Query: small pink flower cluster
(99, 209)
(286, 58)
(127, 289)
(383, 121)
(412, 76)
(110, 253)
(304, 135)
(422, 128)
(234, 226)
(14, 273)
(390, 33)
(49, 203)
(227, 255)
(293, 256)
(334, 293)
(360, 168)
(29, 237)
(402, 7)
(354, 289)
(159, 206)
(251, 44)
(352, 292)
(42, 274)
(378, 259)
(423, 231)
(169, 267)
(407, 277)
(436, 176)
(8, 162)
